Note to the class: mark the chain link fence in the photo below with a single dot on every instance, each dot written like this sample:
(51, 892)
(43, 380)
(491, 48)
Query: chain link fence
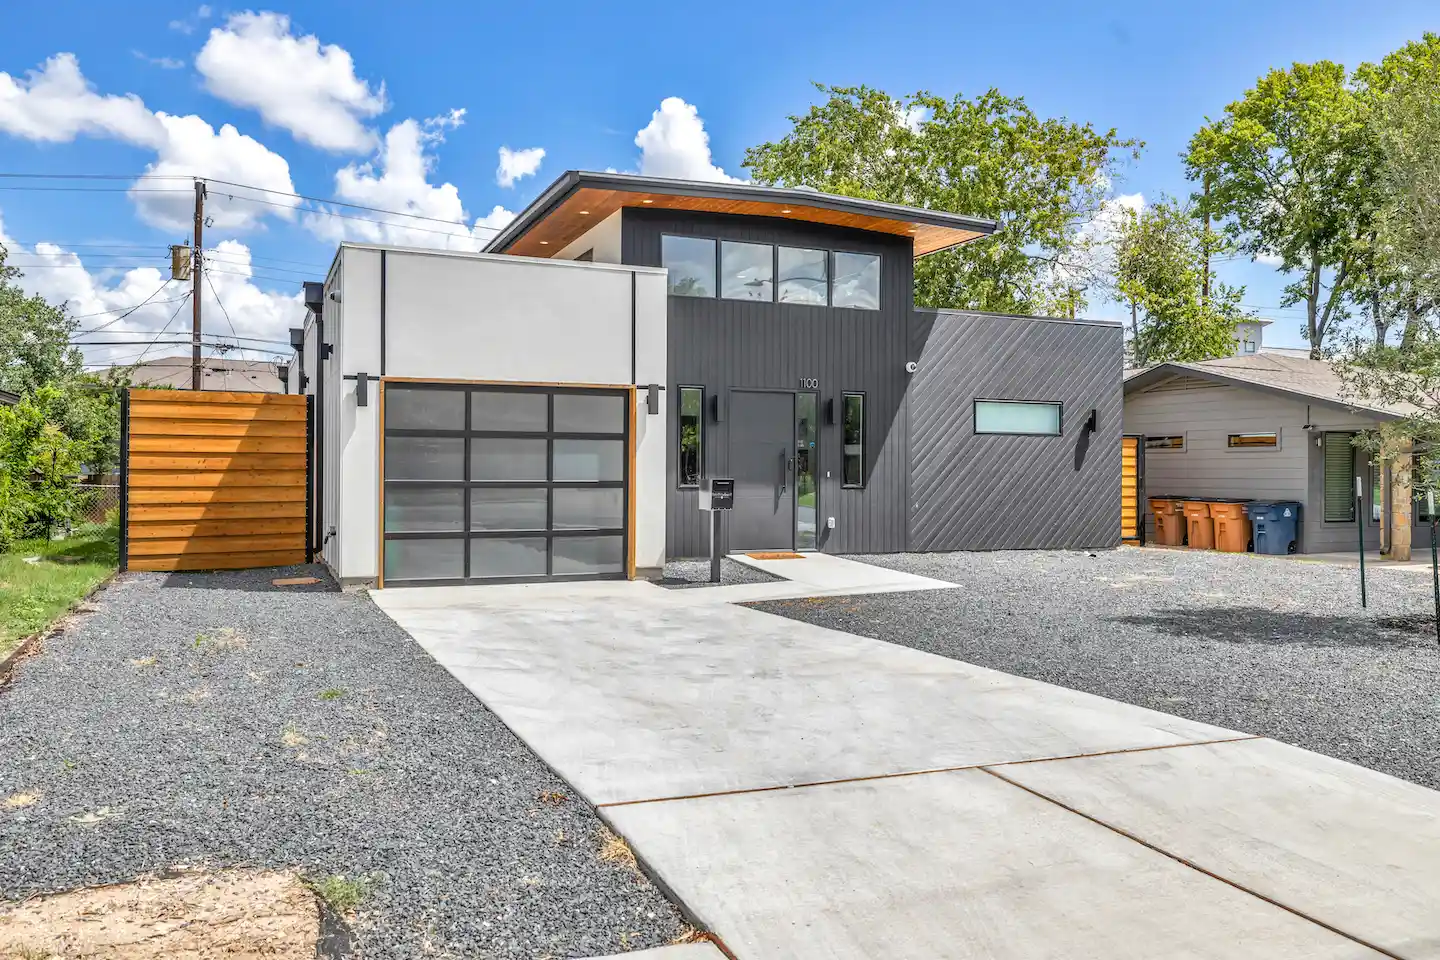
(96, 501)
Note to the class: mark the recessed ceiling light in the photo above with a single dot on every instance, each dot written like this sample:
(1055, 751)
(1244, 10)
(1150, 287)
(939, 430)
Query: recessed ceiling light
(544, 243)
(912, 229)
(786, 210)
(584, 213)
(647, 201)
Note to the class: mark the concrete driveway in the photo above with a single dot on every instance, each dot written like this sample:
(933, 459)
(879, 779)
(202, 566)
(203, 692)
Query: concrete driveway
(810, 793)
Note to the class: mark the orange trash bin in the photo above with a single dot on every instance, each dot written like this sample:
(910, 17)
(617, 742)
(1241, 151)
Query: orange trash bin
(1199, 525)
(1232, 525)
(1169, 521)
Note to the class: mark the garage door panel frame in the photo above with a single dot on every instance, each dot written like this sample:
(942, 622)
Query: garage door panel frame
(626, 532)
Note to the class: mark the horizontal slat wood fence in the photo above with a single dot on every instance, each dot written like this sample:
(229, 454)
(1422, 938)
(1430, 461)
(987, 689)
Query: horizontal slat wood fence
(1132, 516)
(215, 481)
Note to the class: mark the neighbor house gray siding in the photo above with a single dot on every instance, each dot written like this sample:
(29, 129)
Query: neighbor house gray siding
(1206, 413)
(726, 344)
(978, 492)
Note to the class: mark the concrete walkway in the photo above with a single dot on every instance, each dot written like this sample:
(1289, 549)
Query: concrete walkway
(808, 793)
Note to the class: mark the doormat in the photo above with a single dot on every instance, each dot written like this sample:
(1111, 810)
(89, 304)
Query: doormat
(775, 556)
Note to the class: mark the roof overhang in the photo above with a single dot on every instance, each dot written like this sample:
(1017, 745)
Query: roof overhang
(1141, 379)
(579, 199)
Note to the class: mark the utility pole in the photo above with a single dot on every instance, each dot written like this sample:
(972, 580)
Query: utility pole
(196, 374)
(1205, 277)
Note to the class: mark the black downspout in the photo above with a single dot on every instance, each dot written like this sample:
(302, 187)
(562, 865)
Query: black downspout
(309, 478)
(124, 544)
(382, 313)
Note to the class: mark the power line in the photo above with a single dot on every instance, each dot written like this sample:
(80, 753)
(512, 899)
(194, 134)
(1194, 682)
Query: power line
(342, 203)
(137, 306)
(385, 223)
(106, 313)
(31, 189)
(222, 306)
(166, 327)
(96, 176)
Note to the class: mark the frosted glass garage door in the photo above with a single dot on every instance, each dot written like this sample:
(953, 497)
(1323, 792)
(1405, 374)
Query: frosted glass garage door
(493, 484)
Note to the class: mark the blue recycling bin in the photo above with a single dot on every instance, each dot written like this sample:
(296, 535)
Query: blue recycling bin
(1275, 526)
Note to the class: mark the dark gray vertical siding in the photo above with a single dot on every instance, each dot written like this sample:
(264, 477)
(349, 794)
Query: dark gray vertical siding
(720, 344)
(972, 492)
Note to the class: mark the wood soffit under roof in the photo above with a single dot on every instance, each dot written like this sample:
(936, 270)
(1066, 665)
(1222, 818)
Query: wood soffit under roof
(587, 206)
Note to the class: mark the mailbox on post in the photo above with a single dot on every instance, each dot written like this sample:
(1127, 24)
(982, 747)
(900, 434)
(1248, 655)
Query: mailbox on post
(717, 494)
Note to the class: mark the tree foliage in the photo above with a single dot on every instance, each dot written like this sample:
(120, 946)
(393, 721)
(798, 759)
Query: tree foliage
(38, 464)
(1291, 168)
(1160, 256)
(989, 156)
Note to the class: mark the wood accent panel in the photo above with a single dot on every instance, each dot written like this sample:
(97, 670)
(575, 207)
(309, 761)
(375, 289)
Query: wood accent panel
(221, 561)
(1130, 488)
(215, 481)
(265, 445)
(589, 205)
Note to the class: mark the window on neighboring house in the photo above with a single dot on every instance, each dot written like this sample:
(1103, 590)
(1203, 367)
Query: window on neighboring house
(853, 440)
(1017, 417)
(691, 422)
(691, 265)
(1248, 346)
(1423, 479)
(857, 281)
(1253, 441)
(804, 276)
(1165, 443)
(1339, 456)
(1377, 491)
(747, 271)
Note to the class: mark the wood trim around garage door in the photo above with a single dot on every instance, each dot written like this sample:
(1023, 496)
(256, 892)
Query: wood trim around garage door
(631, 428)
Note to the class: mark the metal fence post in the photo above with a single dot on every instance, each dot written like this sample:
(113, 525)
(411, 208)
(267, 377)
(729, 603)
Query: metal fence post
(124, 533)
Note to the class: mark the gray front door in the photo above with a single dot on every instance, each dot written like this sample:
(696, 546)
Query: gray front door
(762, 461)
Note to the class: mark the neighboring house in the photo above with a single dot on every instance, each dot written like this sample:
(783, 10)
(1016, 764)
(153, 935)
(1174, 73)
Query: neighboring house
(1263, 427)
(8, 399)
(1250, 337)
(549, 407)
(219, 373)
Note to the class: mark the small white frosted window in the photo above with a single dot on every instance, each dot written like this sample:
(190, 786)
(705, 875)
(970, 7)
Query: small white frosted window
(1010, 416)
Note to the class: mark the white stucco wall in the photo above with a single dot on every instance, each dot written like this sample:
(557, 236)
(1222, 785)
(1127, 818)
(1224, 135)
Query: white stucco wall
(490, 318)
(603, 238)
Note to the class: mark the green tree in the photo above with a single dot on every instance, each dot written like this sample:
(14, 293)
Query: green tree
(1160, 260)
(35, 344)
(990, 156)
(1292, 174)
(38, 462)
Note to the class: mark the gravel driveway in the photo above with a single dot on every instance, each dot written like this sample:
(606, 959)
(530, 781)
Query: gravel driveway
(213, 719)
(1273, 646)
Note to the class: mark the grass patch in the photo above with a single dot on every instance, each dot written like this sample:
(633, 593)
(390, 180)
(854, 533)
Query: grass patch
(334, 693)
(615, 850)
(341, 894)
(33, 595)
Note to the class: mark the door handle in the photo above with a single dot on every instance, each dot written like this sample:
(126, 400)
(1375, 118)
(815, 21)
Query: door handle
(784, 471)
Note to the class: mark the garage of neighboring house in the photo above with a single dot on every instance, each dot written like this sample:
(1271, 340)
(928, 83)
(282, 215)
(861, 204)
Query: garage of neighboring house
(489, 482)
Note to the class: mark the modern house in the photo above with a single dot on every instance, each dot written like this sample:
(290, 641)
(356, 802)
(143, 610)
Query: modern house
(1265, 426)
(548, 407)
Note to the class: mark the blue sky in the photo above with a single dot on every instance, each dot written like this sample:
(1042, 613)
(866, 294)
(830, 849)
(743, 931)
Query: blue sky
(153, 86)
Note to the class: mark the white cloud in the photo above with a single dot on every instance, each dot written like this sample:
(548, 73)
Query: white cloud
(164, 63)
(189, 24)
(398, 179)
(515, 164)
(56, 104)
(1269, 259)
(293, 82)
(913, 117)
(193, 148)
(98, 298)
(674, 144)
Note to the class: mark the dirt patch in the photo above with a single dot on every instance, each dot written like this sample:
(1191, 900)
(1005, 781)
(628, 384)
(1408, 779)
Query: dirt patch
(233, 914)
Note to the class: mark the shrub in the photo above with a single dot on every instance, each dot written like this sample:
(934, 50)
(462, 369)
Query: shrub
(38, 469)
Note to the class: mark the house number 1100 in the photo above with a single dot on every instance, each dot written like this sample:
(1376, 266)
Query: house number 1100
(809, 383)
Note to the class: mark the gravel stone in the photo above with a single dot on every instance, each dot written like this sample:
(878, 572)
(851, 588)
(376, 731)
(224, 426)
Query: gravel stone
(1276, 646)
(215, 720)
(684, 574)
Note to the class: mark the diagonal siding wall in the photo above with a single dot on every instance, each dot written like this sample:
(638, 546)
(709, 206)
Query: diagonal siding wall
(970, 492)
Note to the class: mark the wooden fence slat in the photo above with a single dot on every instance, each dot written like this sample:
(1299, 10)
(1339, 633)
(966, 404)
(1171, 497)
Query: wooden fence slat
(222, 561)
(173, 445)
(164, 495)
(141, 479)
(216, 428)
(219, 411)
(139, 394)
(240, 526)
(226, 544)
(220, 462)
(191, 512)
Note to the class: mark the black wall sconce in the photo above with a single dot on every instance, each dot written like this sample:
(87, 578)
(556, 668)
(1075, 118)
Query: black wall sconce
(362, 385)
(830, 412)
(1093, 421)
(717, 408)
(652, 399)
